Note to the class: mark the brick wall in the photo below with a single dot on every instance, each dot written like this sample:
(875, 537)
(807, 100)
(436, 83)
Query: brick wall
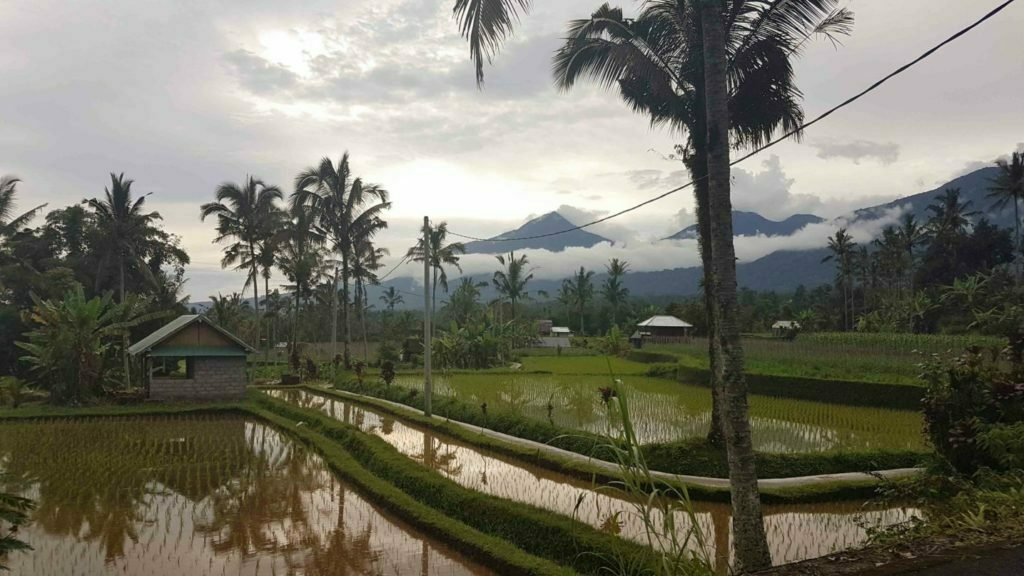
(213, 379)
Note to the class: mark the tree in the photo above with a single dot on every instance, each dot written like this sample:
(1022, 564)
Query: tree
(301, 260)
(248, 214)
(1005, 189)
(613, 290)
(511, 282)
(656, 62)
(581, 287)
(843, 248)
(126, 229)
(348, 211)
(440, 254)
(391, 298)
(912, 235)
(366, 260)
(9, 223)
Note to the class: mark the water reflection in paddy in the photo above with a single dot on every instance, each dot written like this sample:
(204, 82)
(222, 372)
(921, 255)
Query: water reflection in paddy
(795, 532)
(198, 495)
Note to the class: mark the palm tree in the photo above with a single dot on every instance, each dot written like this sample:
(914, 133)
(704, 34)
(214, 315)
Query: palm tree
(440, 255)
(301, 260)
(366, 260)
(581, 287)
(843, 247)
(511, 282)
(949, 216)
(613, 290)
(1006, 188)
(391, 298)
(127, 228)
(272, 235)
(656, 63)
(912, 235)
(9, 223)
(348, 211)
(248, 214)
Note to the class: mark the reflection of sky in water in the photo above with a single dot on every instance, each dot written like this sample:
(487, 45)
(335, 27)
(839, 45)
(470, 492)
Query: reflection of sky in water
(795, 532)
(666, 411)
(198, 495)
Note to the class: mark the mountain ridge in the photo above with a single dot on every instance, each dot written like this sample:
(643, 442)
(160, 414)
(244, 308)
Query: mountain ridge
(545, 224)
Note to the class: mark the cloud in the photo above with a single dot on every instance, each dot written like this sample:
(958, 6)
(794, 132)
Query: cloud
(856, 150)
(768, 192)
(650, 179)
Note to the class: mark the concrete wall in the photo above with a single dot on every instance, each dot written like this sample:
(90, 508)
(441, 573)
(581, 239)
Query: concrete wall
(214, 379)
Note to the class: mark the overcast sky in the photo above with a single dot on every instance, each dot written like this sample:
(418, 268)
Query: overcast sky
(186, 94)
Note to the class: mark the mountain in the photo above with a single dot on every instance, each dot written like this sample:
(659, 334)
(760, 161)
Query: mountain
(752, 224)
(546, 224)
(973, 188)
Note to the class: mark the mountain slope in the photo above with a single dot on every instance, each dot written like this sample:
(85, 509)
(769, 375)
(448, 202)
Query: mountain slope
(752, 224)
(973, 188)
(546, 224)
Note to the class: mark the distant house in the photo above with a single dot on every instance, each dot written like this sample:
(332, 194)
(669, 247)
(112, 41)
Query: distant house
(561, 332)
(191, 358)
(784, 327)
(661, 329)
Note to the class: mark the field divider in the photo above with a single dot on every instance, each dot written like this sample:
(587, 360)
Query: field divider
(580, 465)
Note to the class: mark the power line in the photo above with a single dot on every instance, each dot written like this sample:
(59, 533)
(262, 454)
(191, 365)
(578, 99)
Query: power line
(392, 271)
(770, 144)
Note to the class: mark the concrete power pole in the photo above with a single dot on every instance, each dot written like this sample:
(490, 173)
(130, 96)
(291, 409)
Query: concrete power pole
(428, 386)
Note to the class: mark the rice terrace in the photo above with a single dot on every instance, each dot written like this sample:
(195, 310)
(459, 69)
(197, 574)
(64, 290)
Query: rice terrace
(671, 288)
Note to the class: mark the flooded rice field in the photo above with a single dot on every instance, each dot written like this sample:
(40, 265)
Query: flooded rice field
(795, 532)
(674, 411)
(197, 495)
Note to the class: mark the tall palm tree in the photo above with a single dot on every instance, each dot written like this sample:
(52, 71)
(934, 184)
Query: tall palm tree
(127, 228)
(656, 63)
(581, 287)
(912, 235)
(949, 215)
(511, 281)
(1006, 188)
(391, 298)
(441, 254)
(272, 235)
(613, 289)
(301, 260)
(9, 223)
(842, 248)
(366, 260)
(348, 211)
(247, 214)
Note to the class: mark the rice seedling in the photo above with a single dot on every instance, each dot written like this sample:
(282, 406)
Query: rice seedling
(197, 495)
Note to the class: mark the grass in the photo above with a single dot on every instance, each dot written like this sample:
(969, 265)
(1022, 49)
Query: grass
(668, 411)
(879, 358)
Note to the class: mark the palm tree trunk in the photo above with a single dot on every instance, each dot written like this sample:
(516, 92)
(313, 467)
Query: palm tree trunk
(266, 294)
(581, 318)
(751, 543)
(362, 320)
(256, 301)
(124, 338)
(334, 315)
(1016, 231)
(433, 306)
(345, 309)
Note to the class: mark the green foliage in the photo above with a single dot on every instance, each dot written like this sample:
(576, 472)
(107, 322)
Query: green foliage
(70, 345)
(649, 356)
(615, 343)
(480, 344)
(14, 512)
(974, 403)
(13, 391)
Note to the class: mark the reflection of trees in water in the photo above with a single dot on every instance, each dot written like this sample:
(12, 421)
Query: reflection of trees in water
(439, 455)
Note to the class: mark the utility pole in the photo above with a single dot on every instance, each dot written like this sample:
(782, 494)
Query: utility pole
(428, 386)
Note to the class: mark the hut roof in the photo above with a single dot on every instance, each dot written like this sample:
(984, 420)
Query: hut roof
(175, 326)
(664, 322)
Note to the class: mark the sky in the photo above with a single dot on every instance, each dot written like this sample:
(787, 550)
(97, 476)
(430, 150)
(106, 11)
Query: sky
(184, 95)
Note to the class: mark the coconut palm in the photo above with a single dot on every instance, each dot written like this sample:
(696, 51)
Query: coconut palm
(348, 211)
(440, 254)
(9, 223)
(656, 63)
(1006, 188)
(126, 228)
(613, 290)
(301, 260)
(843, 248)
(912, 235)
(247, 214)
(581, 287)
(512, 280)
(366, 260)
(391, 298)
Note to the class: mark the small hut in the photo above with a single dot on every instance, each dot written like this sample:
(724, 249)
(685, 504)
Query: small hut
(191, 358)
(661, 330)
(785, 328)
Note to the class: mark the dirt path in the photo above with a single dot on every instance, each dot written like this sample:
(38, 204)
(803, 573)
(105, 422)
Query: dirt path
(998, 562)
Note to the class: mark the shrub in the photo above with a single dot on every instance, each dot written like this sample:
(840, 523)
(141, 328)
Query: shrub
(387, 372)
(973, 405)
(387, 353)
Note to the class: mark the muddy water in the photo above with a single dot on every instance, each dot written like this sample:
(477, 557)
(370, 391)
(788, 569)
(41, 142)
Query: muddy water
(795, 532)
(198, 495)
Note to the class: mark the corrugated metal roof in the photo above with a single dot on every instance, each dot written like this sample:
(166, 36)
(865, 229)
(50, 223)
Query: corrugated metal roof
(177, 325)
(664, 322)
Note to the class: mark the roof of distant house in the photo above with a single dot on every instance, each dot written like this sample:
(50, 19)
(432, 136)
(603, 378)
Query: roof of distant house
(664, 322)
(786, 324)
(560, 329)
(177, 325)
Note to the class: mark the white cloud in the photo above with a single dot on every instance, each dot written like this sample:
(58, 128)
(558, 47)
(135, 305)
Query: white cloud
(856, 150)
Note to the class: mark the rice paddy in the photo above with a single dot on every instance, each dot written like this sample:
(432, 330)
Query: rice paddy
(198, 495)
(795, 532)
(668, 411)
